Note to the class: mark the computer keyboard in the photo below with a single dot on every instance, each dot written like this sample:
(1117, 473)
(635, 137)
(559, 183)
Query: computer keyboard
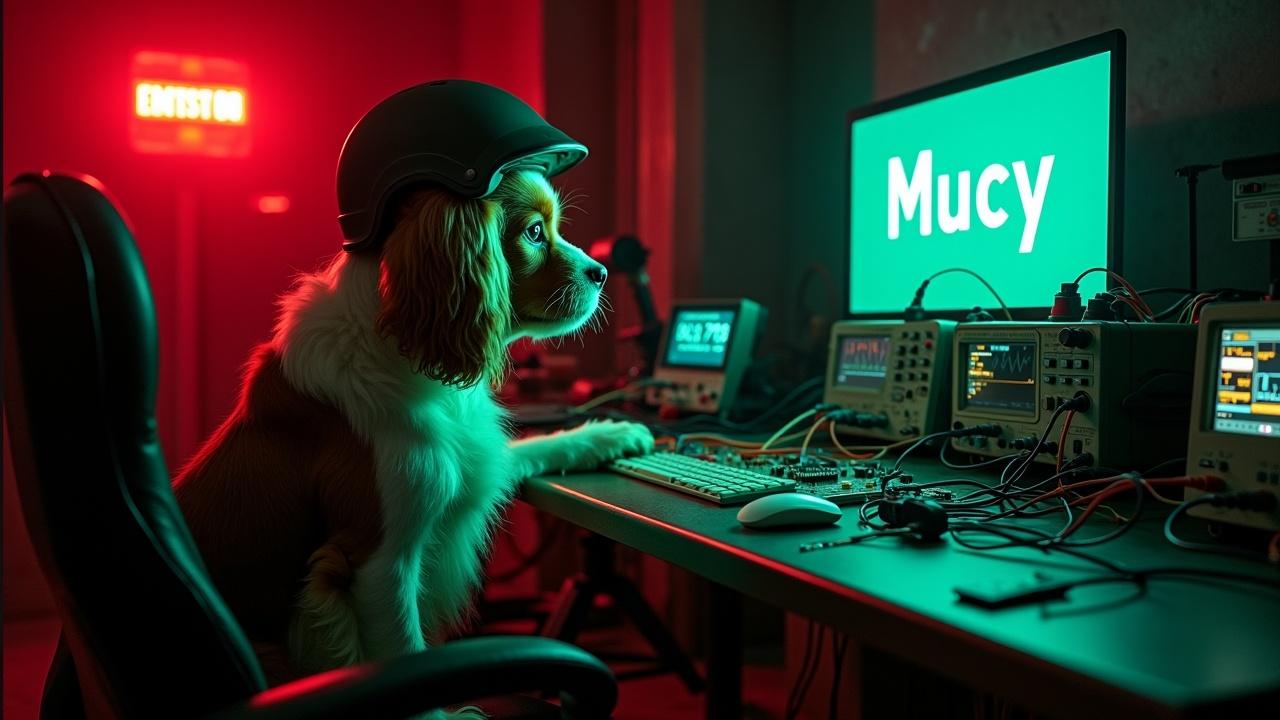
(701, 478)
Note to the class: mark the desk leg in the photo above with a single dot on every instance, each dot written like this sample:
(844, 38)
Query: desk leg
(724, 654)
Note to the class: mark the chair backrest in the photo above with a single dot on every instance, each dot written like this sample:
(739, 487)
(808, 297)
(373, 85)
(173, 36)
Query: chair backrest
(148, 633)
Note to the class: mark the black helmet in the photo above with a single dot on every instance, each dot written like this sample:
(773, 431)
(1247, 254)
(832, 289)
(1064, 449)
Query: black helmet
(460, 134)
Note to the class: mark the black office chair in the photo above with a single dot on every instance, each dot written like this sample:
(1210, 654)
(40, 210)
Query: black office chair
(145, 634)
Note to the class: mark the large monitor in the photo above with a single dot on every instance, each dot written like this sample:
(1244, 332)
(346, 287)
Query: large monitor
(1013, 172)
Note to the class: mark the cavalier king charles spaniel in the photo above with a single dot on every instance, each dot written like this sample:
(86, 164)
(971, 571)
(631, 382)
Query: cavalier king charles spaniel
(344, 507)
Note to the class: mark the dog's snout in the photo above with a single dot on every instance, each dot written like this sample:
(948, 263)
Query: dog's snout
(597, 273)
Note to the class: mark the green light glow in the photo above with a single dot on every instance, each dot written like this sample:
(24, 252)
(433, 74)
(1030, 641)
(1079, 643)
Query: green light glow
(1008, 179)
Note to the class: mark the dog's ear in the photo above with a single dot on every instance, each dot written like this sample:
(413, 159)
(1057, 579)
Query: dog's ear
(445, 287)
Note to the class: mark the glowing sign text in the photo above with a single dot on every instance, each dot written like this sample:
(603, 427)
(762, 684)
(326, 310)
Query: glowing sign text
(190, 103)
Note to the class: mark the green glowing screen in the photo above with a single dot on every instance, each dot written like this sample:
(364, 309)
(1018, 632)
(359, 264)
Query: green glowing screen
(1009, 179)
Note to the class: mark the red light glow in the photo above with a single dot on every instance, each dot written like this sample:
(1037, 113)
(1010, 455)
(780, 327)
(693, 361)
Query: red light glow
(273, 204)
(183, 104)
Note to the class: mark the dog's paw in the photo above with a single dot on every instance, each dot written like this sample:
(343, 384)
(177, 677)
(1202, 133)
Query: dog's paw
(600, 442)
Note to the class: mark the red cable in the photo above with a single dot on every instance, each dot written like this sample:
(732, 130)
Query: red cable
(1198, 481)
(1202, 482)
(1062, 442)
(1125, 283)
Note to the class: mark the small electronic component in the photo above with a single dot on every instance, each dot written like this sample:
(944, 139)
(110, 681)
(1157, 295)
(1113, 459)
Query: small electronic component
(843, 481)
(1255, 197)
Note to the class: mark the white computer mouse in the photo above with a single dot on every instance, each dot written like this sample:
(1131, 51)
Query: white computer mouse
(792, 508)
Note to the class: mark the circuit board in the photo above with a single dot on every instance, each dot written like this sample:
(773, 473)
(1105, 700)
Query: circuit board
(841, 480)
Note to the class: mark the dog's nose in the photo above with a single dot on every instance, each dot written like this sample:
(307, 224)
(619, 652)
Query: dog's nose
(597, 274)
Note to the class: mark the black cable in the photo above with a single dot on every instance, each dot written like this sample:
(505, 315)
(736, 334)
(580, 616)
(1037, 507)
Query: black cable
(806, 660)
(915, 311)
(912, 447)
(1212, 499)
(813, 673)
(1071, 404)
(942, 455)
(1140, 578)
(1043, 541)
(838, 650)
(960, 432)
(1139, 484)
(1019, 509)
(855, 539)
(681, 426)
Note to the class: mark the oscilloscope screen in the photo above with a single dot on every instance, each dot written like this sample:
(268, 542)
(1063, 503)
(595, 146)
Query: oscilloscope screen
(863, 362)
(1000, 376)
(1247, 398)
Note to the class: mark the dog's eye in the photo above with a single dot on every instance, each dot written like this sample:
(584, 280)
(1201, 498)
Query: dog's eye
(533, 233)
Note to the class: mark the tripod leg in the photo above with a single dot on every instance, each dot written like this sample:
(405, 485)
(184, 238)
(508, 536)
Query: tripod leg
(724, 654)
(570, 614)
(654, 631)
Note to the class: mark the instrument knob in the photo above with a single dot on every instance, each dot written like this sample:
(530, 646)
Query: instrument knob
(1075, 338)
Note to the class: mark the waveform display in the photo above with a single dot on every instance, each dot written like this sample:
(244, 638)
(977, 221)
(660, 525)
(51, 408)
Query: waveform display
(863, 361)
(1248, 392)
(1000, 376)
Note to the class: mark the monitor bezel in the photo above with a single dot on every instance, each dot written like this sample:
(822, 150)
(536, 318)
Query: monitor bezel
(1112, 41)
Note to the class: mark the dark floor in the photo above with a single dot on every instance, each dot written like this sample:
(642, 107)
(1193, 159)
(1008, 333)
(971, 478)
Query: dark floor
(28, 647)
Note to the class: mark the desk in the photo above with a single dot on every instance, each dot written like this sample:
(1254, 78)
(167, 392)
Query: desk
(1182, 649)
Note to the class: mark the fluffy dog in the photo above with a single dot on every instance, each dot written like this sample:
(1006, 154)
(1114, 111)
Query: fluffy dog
(344, 506)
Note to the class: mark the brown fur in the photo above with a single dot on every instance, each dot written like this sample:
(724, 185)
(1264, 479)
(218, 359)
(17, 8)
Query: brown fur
(282, 500)
(444, 287)
(281, 476)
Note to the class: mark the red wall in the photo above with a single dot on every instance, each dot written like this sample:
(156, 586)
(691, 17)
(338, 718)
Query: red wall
(67, 98)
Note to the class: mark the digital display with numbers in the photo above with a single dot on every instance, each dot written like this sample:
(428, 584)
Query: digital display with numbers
(862, 362)
(1247, 393)
(699, 337)
(1000, 376)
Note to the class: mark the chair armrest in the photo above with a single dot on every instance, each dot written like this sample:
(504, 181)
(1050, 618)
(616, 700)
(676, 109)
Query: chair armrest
(451, 674)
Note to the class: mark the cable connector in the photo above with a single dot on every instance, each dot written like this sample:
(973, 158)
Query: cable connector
(1079, 462)
(1254, 500)
(843, 417)
(925, 517)
(1080, 402)
(984, 429)
(915, 311)
(1066, 304)
(1102, 306)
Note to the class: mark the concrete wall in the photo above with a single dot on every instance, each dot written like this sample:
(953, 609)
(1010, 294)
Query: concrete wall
(1203, 85)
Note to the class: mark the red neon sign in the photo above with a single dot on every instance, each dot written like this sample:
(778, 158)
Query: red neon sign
(183, 104)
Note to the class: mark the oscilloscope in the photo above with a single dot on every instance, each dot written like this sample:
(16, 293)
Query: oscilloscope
(894, 375)
(705, 352)
(1016, 374)
(1235, 414)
